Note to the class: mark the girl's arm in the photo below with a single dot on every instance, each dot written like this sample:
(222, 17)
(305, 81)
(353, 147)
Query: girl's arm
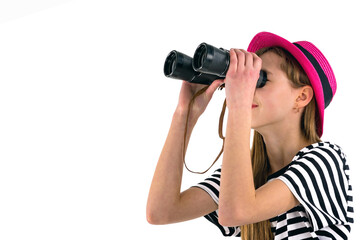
(239, 202)
(165, 202)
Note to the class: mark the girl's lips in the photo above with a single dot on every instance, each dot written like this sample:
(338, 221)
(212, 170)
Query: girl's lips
(254, 106)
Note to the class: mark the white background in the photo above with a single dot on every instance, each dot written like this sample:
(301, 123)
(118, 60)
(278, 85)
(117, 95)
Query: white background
(85, 108)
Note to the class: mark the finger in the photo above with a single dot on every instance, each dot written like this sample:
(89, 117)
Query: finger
(249, 58)
(214, 85)
(257, 61)
(211, 89)
(241, 57)
(233, 62)
(244, 51)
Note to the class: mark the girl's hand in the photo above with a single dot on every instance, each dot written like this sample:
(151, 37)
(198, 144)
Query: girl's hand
(241, 78)
(188, 90)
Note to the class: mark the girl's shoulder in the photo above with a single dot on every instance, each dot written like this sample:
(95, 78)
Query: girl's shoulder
(324, 149)
(319, 179)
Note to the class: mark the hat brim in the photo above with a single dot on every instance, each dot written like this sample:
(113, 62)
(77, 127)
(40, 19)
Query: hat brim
(266, 39)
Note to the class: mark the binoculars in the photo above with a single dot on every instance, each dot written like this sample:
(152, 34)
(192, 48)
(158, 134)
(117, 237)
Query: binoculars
(208, 64)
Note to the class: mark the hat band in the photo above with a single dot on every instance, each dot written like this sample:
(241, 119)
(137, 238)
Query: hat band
(328, 94)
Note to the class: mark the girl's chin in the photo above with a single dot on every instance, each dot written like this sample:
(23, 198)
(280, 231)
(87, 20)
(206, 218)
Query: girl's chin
(257, 127)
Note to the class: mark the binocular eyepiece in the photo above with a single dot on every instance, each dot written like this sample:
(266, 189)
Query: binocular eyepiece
(208, 64)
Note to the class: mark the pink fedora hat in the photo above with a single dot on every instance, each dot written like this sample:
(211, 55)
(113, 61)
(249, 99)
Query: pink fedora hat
(313, 62)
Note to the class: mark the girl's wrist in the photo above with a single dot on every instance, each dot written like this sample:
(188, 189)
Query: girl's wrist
(240, 105)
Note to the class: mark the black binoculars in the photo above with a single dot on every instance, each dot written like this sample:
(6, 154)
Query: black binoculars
(208, 64)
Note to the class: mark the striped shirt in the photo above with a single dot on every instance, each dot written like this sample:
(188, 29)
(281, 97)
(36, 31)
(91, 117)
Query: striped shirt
(318, 176)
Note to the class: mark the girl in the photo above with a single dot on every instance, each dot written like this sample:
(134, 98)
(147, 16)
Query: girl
(291, 185)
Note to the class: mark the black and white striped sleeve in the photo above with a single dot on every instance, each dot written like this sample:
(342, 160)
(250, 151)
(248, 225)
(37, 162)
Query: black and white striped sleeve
(319, 180)
(211, 185)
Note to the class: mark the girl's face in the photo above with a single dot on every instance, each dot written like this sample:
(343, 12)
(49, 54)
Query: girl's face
(273, 104)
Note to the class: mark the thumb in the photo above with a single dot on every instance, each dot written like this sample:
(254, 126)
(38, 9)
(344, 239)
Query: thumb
(214, 85)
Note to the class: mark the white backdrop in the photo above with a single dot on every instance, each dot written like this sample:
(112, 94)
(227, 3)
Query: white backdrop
(85, 108)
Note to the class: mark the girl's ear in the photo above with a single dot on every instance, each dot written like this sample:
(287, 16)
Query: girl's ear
(305, 95)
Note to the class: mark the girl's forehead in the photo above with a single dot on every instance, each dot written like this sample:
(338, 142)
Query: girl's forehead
(271, 59)
(272, 65)
(271, 62)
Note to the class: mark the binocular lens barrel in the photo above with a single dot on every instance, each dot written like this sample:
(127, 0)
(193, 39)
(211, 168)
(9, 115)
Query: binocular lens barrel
(178, 65)
(209, 63)
(170, 64)
(211, 60)
(199, 57)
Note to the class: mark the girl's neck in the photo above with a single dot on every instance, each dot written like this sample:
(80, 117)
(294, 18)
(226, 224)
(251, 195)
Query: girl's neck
(281, 147)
